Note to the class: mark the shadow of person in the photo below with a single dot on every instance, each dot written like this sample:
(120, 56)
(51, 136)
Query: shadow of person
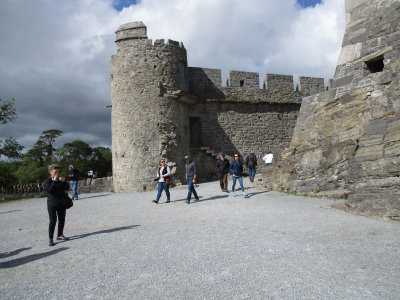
(81, 236)
(214, 198)
(30, 258)
(15, 252)
(255, 193)
(10, 211)
(94, 196)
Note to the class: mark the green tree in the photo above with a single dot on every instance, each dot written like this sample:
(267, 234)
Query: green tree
(7, 111)
(7, 170)
(77, 153)
(43, 150)
(30, 170)
(102, 161)
(12, 149)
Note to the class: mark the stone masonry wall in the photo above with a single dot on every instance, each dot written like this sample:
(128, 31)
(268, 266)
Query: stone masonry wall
(249, 80)
(245, 127)
(308, 85)
(346, 142)
(147, 124)
(278, 82)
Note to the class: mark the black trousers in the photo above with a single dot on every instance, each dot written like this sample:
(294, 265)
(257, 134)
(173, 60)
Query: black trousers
(54, 212)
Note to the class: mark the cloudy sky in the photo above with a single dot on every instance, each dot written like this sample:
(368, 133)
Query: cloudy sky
(55, 54)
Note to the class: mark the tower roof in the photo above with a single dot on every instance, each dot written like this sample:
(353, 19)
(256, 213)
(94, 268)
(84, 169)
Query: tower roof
(132, 30)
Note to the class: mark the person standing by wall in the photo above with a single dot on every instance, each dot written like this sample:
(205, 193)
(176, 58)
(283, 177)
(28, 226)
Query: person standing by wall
(73, 175)
(223, 169)
(164, 180)
(268, 158)
(56, 187)
(191, 174)
(251, 164)
(236, 169)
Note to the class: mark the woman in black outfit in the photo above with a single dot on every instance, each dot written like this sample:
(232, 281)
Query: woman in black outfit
(56, 187)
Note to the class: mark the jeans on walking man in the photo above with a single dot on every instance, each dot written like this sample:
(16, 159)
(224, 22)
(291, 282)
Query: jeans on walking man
(251, 164)
(191, 174)
(73, 175)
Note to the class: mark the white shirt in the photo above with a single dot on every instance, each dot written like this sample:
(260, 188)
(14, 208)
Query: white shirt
(162, 179)
(268, 158)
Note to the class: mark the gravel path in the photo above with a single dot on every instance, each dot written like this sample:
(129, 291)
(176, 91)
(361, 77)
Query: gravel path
(267, 246)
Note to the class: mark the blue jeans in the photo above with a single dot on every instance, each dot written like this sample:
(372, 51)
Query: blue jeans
(191, 189)
(234, 183)
(74, 185)
(252, 173)
(163, 186)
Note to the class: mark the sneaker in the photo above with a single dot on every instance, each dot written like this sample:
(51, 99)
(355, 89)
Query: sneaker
(51, 243)
(187, 201)
(244, 195)
(62, 237)
(233, 195)
(155, 201)
(168, 201)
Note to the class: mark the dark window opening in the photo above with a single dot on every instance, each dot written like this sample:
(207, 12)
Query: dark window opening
(195, 132)
(375, 65)
(241, 83)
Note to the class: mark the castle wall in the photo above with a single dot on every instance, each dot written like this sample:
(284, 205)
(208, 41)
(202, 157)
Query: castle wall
(309, 85)
(244, 127)
(278, 82)
(248, 80)
(346, 142)
(204, 82)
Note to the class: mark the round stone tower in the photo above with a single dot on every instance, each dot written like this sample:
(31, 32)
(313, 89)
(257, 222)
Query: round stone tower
(147, 118)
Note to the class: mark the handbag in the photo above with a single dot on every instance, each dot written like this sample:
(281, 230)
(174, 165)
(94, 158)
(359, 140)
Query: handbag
(168, 180)
(68, 203)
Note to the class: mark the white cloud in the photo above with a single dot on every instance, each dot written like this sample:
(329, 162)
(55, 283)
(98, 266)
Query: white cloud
(54, 58)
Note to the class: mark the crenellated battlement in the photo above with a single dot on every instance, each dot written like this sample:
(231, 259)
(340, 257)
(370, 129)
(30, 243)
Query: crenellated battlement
(207, 79)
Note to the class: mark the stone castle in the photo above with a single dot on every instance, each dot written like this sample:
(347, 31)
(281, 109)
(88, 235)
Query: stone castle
(161, 108)
(343, 142)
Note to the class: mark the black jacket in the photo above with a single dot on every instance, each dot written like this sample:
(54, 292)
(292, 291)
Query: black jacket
(55, 191)
(75, 175)
(251, 161)
(222, 166)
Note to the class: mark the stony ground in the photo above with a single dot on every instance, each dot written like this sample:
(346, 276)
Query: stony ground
(267, 246)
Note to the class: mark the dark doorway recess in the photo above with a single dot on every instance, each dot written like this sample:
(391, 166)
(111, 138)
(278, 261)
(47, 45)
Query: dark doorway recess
(195, 132)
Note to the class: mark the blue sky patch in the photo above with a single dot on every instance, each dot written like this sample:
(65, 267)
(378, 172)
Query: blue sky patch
(308, 3)
(121, 4)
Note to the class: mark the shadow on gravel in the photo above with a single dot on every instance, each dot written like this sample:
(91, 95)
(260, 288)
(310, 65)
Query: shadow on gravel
(213, 198)
(97, 196)
(27, 259)
(81, 236)
(256, 193)
(12, 253)
(10, 211)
